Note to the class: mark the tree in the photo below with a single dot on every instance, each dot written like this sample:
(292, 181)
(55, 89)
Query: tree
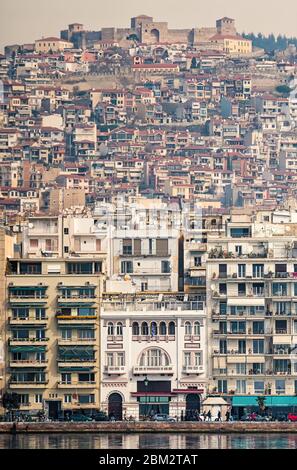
(10, 402)
(261, 404)
(194, 63)
(284, 90)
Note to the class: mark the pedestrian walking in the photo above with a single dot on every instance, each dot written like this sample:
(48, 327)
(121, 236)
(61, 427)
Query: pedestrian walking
(227, 415)
(219, 416)
(209, 416)
(204, 415)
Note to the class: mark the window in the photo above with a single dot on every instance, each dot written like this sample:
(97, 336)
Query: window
(242, 346)
(33, 243)
(66, 378)
(240, 386)
(240, 369)
(154, 328)
(197, 261)
(66, 335)
(40, 313)
(144, 286)
(154, 357)
(241, 270)
(258, 270)
(66, 231)
(171, 328)
(85, 399)
(259, 386)
(119, 329)
(23, 399)
(258, 327)
(188, 328)
(280, 386)
(242, 289)
(238, 250)
(67, 398)
(258, 346)
(110, 329)
(222, 386)
(38, 398)
(165, 267)
(223, 289)
(135, 329)
(196, 328)
(163, 329)
(144, 329)
(223, 346)
(187, 359)
(198, 358)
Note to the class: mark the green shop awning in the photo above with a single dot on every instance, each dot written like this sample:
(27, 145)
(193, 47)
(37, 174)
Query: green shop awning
(246, 401)
(33, 349)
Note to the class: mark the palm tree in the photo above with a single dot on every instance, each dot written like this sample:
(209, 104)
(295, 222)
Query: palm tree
(261, 404)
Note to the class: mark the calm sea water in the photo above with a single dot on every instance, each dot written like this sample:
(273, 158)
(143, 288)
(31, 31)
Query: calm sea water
(148, 441)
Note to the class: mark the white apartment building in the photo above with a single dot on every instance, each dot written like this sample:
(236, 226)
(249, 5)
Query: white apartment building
(252, 306)
(153, 354)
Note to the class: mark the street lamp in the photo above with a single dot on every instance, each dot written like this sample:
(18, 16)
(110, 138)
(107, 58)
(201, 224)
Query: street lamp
(146, 383)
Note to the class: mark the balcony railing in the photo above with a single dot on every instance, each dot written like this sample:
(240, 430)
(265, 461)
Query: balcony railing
(153, 306)
(116, 370)
(187, 369)
(153, 370)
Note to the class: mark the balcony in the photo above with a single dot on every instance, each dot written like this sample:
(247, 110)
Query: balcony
(76, 341)
(115, 370)
(27, 320)
(28, 384)
(146, 253)
(152, 370)
(76, 318)
(196, 246)
(27, 341)
(28, 363)
(76, 385)
(193, 369)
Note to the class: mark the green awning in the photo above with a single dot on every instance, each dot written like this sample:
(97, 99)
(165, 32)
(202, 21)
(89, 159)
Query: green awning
(248, 401)
(30, 326)
(25, 303)
(33, 349)
(76, 304)
(26, 288)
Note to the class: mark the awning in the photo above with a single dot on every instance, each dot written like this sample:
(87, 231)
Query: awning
(26, 304)
(152, 394)
(76, 304)
(27, 288)
(270, 400)
(33, 349)
(185, 390)
(76, 369)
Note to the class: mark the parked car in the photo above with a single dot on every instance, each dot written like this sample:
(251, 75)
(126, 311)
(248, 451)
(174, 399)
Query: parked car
(81, 417)
(292, 417)
(163, 417)
(100, 416)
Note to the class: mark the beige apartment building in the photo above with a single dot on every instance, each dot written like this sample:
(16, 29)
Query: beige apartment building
(52, 333)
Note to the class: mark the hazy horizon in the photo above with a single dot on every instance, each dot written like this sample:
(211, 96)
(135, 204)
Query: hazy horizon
(23, 22)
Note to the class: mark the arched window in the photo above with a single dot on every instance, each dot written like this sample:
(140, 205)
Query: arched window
(188, 328)
(154, 357)
(171, 328)
(135, 329)
(154, 328)
(110, 329)
(144, 329)
(163, 328)
(196, 328)
(120, 329)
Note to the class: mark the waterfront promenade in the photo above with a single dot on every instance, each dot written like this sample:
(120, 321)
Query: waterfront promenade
(149, 427)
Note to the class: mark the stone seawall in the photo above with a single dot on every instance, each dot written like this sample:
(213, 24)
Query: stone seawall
(149, 427)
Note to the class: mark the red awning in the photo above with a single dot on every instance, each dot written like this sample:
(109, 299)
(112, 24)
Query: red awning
(185, 390)
(152, 394)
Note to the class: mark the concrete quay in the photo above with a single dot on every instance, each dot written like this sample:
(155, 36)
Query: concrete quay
(149, 427)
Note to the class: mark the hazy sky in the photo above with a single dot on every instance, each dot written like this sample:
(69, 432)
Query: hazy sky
(26, 20)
